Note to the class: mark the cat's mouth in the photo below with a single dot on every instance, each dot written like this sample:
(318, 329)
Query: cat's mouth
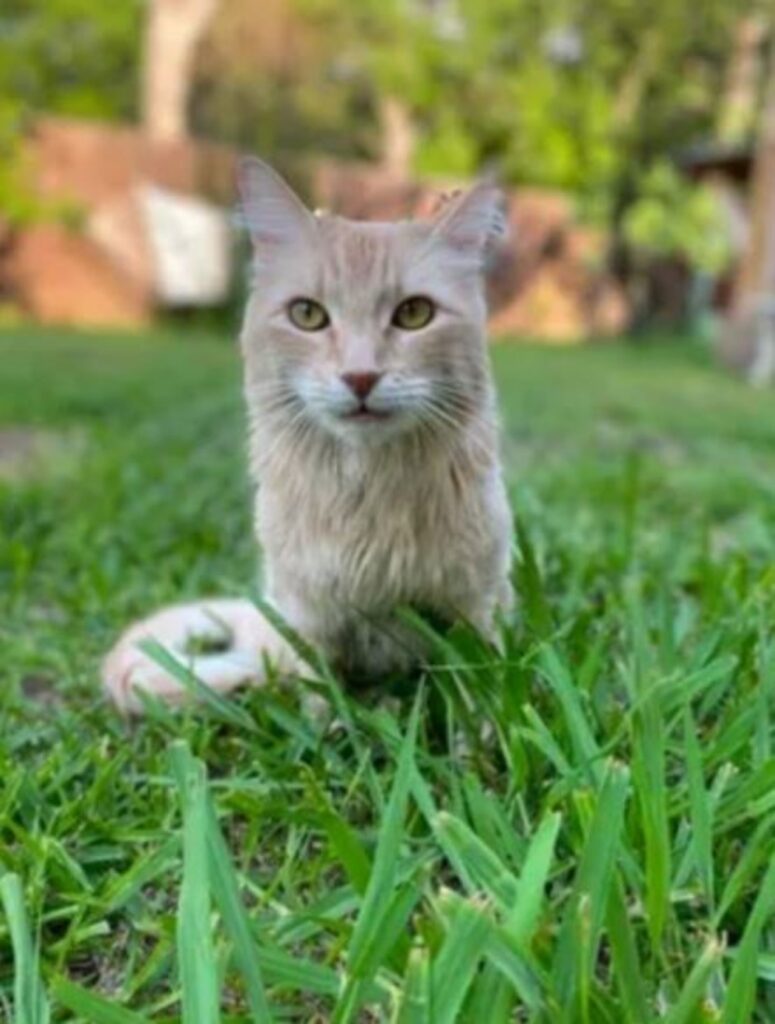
(363, 414)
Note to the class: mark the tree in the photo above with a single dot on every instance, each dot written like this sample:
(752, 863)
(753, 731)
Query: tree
(174, 29)
(750, 337)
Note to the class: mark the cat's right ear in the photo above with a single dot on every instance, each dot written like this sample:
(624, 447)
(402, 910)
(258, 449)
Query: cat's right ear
(274, 214)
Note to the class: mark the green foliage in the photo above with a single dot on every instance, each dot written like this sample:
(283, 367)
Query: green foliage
(563, 94)
(449, 151)
(673, 217)
(68, 57)
(558, 94)
(601, 852)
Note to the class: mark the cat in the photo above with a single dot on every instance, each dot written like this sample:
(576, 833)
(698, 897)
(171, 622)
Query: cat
(373, 445)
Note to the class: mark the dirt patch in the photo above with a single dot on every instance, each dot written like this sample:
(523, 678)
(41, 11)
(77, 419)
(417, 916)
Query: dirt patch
(41, 690)
(28, 452)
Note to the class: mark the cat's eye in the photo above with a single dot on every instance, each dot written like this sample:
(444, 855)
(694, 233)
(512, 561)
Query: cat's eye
(308, 315)
(413, 313)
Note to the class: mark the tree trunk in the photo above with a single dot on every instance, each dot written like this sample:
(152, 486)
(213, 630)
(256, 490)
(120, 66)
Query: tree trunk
(749, 343)
(173, 31)
(398, 137)
(737, 114)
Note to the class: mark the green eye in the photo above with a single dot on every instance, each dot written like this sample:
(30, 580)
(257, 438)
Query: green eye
(414, 313)
(308, 315)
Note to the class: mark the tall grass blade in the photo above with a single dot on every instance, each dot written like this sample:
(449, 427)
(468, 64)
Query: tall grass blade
(30, 1003)
(197, 963)
(453, 969)
(700, 806)
(225, 890)
(415, 1006)
(378, 898)
(627, 969)
(741, 991)
(595, 877)
(695, 988)
(522, 920)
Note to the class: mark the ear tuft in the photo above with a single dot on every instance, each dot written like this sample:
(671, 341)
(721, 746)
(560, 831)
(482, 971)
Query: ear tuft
(273, 212)
(471, 221)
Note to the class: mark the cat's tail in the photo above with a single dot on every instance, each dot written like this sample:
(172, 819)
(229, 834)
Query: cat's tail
(225, 643)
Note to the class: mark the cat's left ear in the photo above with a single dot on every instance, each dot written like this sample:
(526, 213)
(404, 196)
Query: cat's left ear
(274, 214)
(472, 221)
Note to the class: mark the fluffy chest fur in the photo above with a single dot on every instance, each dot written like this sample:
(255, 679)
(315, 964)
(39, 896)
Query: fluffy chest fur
(378, 531)
(348, 539)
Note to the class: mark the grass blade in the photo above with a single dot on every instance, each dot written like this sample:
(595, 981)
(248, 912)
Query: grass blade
(453, 969)
(378, 897)
(700, 807)
(196, 954)
(221, 708)
(627, 969)
(649, 780)
(30, 1003)
(225, 890)
(480, 867)
(537, 610)
(694, 989)
(414, 1007)
(522, 920)
(92, 1007)
(585, 747)
(583, 920)
(741, 992)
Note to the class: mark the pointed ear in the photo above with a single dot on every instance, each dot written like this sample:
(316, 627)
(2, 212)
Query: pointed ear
(273, 212)
(473, 220)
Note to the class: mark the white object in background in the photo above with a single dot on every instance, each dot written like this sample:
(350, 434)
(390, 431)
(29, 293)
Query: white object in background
(191, 246)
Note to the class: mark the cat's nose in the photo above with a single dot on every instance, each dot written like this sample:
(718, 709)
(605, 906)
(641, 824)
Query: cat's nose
(361, 384)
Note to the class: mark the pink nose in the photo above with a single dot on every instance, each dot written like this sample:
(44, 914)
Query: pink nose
(361, 384)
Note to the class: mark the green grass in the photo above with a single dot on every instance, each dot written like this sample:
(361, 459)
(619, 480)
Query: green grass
(602, 853)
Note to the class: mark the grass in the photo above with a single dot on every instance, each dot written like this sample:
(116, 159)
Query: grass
(603, 854)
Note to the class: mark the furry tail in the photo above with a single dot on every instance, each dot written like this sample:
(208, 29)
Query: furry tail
(234, 637)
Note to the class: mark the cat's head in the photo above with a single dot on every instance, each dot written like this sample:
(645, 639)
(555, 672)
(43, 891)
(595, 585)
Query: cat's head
(366, 330)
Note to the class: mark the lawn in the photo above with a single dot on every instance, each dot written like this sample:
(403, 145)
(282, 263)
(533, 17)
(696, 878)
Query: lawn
(603, 852)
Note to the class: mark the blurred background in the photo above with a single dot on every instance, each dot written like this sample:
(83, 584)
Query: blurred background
(636, 141)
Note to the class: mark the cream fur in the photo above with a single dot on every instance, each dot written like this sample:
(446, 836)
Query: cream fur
(357, 516)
